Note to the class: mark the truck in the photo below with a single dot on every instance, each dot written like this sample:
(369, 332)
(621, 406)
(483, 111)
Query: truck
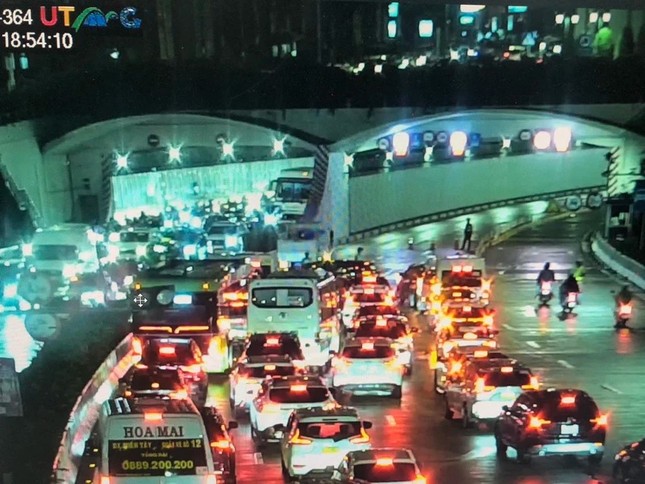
(291, 191)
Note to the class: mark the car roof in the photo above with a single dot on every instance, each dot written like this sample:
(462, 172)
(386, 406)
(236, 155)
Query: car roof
(370, 455)
(335, 411)
(356, 342)
(287, 381)
(283, 334)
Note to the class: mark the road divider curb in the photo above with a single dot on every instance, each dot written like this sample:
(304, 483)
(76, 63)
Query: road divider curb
(85, 412)
(617, 262)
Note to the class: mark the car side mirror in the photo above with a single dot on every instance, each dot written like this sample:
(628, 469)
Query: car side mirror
(506, 408)
(279, 428)
(367, 424)
(233, 425)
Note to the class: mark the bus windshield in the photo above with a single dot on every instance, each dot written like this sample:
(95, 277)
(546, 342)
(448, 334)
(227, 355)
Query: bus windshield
(292, 190)
(282, 297)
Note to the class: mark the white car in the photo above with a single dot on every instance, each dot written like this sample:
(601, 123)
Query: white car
(278, 397)
(394, 466)
(317, 439)
(131, 244)
(365, 295)
(225, 237)
(395, 328)
(447, 342)
(247, 377)
(368, 366)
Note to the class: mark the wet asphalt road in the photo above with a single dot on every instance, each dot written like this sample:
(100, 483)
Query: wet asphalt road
(584, 352)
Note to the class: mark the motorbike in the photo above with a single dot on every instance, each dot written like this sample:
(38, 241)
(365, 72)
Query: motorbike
(546, 294)
(623, 314)
(570, 303)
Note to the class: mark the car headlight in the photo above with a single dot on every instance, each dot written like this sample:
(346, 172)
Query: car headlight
(128, 280)
(114, 237)
(69, 271)
(113, 251)
(231, 241)
(10, 291)
(141, 250)
(190, 250)
(159, 249)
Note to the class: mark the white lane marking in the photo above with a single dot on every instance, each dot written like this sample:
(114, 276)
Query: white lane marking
(508, 326)
(390, 420)
(566, 364)
(611, 389)
(257, 458)
(532, 344)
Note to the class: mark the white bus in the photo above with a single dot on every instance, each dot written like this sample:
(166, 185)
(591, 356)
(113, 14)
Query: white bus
(152, 441)
(302, 302)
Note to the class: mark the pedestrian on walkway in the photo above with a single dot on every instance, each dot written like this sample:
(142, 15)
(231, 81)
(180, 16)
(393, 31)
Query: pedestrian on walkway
(468, 234)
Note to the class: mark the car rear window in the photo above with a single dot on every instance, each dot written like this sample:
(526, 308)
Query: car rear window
(330, 430)
(451, 280)
(376, 311)
(267, 370)
(364, 298)
(378, 351)
(167, 380)
(513, 379)
(161, 354)
(310, 395)
(583, 409)
(398, 472)
(258, 347)
(393, 330)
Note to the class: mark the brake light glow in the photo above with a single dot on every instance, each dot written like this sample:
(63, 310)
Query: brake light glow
(456, 268)
(137, 346)
(420, 480)
(448, 346)
(269, 367)
(367, 346)
(470, 336)
(480, 354)
(436, 289)
(490, 343)
(297, 440)
(360, 439)
(298, 388)
(601, 421)
(221, 445)
(127, 393)
(456, 294)
(488, 320)
(152, 416)
(486, 284)
(273, 341)
(381, 322)
(167, 350)
(188, 329)
(154, 385)
(206, 286)
(506, 369)
(537, 423)
(467, 309)
(388, 301)
(179, 395)
(455, 367)
(568, 400)
(165, 329)
(384, 461)
(467, 268)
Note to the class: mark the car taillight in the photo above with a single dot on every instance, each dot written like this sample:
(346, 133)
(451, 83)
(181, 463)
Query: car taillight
(221, 444)
(537, 423)
(127, 394)
(105, 480)
(363, 438)
(420, 480)
(601, 421)
(297, 440)
(488, 320)
(137, 347)
(179, 395)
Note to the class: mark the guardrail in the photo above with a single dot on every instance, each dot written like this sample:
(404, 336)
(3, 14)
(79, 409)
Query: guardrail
(619, 263)
(86, 410)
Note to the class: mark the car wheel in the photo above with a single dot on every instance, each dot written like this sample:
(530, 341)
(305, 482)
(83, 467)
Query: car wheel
(522, 456)
(595, 459)
(465, 417)
(448, 414)
(500, 447)
(397, 393)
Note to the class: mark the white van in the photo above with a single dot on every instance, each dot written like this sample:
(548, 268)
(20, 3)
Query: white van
(153, 441)
(66, 248)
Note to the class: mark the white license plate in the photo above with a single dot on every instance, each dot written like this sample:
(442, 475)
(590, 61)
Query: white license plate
(569, 429)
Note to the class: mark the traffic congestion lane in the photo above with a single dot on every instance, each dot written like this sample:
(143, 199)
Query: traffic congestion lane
(584, 352)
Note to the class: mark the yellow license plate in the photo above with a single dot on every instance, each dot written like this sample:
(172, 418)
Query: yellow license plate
(330, 450)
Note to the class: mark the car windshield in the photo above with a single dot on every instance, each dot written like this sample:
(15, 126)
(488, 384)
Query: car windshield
(397, 472)
(159, 380)
(308, 394)
(368, 352)
(330, 430)
(554, 408)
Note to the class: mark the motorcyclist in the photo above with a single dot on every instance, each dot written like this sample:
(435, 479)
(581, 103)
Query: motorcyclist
(545, 275)
(579, 272)
(570, 285)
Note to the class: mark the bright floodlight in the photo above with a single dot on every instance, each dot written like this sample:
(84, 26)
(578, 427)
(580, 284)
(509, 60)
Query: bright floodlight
(575, 19)
(401, 143)
(557, 49)
(559, 19)
(542, 140)
(506, 143)
(471, 8)
(121, 161)
(426, 28)
(562, 139)
(378, 68)
(174, 153)
(349, 160)
(593, 17)
(458, 142)
(606, 17)
(392, 28)
(278, 146)
(227, 149)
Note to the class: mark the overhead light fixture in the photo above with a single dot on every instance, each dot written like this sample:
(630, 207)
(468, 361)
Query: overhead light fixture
(228, 149)
(471, 8)
(606, 17)
(349, 160)
(401, 143)
(562, 139)
(174, 153)
(542, 140)
(121, 161)
(559, 19)
(278, 146)
(458, 142)
(575, 19)
(593, 17)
